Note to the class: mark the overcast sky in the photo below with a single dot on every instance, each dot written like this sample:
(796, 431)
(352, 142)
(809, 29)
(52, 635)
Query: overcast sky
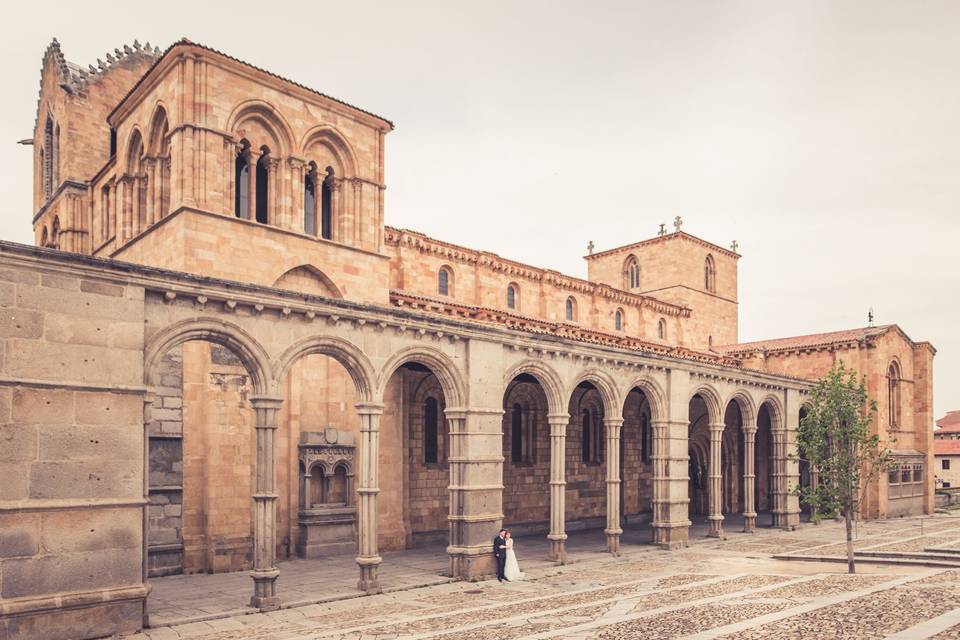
(822, 136)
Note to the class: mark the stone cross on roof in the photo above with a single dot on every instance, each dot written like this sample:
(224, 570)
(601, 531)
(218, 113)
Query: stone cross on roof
(733, 246)
(677, 223)
(663, 230)
(590, 247)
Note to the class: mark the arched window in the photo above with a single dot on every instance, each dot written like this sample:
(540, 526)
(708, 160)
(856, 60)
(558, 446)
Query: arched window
(337, 491)
(662, 329)
(444, 281)
(44, 237)
(241, 182)
(570, 309)
(318, 486)
(893, 393)
(631, 274)
(618, 320)
(431, 432)
(326, 205)
(104, 213)
(310, 201)
(55, 160)
(709, 274)
(512, 296)
(263, 185)
(516, 434)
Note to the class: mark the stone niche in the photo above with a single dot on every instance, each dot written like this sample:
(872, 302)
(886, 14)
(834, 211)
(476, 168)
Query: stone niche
(327, 515)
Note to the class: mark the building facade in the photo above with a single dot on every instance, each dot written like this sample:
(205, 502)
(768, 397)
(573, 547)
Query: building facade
(220, 355)
(946, 451)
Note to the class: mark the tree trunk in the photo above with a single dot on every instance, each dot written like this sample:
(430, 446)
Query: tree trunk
(848, 515)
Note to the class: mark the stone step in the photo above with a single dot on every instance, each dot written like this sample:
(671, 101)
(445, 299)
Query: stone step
(887, 559)
(948, 550)
(951, 559)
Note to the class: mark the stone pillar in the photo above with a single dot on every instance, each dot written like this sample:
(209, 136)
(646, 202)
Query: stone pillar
(671, 457)
(791, 460)
(749, 478)
(298, 180)
(613, 530)
(275, 188)
(369, 557)
(476, 488)
(152, 177)
(715, 473)
(337, 217)
(558, 486)
(265, 572)
(253, 158)
(778, 474)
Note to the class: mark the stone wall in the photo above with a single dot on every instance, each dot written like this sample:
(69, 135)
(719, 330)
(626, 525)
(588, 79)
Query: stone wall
(71, 453)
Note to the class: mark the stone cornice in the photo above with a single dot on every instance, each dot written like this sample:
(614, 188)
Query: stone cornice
(405, 238)
(172, 287)
(676, 235)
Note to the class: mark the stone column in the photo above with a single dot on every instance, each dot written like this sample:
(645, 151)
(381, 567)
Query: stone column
(613, 530)
(749, 478)
(252, 158)
(558, 486)
(265, 572)
(337, 217)
(298, 179)
(716, 481)
(275, 189)
(150, 168)
(671, 456)
(369, 556)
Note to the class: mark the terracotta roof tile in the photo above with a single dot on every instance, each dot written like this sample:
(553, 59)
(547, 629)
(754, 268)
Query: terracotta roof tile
(946, 447)
(808, 341)
(949, 423)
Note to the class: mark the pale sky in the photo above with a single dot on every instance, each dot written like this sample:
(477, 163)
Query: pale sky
(822, 136)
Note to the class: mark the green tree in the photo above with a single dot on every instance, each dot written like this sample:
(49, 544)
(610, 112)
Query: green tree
(835, 439)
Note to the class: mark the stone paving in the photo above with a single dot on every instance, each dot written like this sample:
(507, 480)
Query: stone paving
(731, 589)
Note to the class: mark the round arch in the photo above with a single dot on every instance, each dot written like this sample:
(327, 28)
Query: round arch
(451, 380)
(612, 404)
(331, 138)
(301, 275)
(159, 128)
(654, 394)
(253, 356)
(712, 399)
(347, 354)
(268, 117)
(548, 378)
(748, 410)
(775, 409)
(135, 150)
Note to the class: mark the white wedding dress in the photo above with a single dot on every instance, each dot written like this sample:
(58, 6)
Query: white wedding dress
(512, 568)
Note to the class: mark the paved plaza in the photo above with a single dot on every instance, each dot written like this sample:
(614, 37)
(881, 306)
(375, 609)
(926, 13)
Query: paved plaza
(733, 588)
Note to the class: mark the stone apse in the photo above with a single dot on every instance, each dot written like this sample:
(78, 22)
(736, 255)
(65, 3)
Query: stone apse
(524, 419)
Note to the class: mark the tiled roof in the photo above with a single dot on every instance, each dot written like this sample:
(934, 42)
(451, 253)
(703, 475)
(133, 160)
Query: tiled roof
(949, 423)
(946, 447)
(566, 330)
(190, 43)
(814, 340)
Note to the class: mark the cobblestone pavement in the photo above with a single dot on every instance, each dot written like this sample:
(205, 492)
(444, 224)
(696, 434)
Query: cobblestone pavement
(731, 589)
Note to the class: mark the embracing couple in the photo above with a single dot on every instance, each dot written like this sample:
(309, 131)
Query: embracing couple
(507, 566)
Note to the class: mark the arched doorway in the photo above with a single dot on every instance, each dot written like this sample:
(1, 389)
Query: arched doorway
(698, 444)
(765, 465)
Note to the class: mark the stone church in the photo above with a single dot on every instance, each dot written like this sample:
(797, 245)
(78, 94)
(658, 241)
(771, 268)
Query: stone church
(218, 355)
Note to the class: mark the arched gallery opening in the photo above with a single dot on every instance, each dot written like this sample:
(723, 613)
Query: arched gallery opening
(636, 461)
(526, 457)
(586, 488)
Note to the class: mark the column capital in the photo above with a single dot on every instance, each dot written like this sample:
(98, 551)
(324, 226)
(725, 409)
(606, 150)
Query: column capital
(266, 402)
(369, 408)
(717, 428)
(749, 429)
(558, 418)
(613, 422)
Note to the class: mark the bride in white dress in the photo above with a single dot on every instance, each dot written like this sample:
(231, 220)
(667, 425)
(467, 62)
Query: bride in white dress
(512, 568)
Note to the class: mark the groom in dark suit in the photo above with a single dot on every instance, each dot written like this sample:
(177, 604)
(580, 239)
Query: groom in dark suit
(500, 553)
